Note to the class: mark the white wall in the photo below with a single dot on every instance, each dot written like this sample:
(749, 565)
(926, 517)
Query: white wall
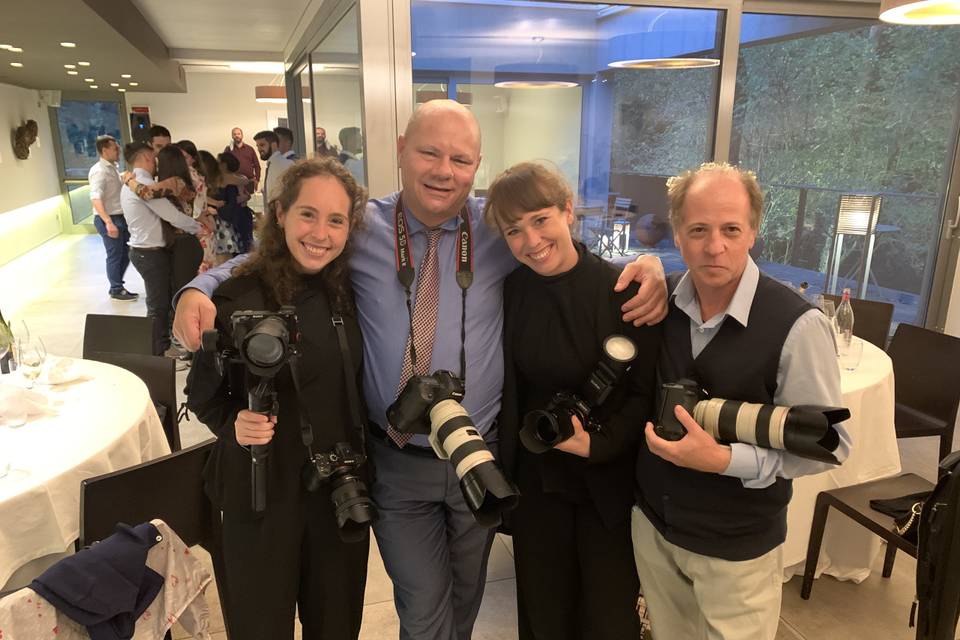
(24, 182)
(337, 103)
(214, 104)
(31, 206)
(544, 124)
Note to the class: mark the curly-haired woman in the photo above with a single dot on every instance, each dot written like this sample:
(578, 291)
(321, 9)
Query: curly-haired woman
(290, 556)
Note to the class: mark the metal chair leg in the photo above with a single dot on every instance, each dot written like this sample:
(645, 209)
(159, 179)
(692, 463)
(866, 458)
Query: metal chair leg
(813, 545)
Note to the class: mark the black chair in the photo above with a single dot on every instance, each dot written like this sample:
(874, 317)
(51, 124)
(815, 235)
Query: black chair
(169, 488)
(160, 376)
(926, 368)
(854, 502)
(871, 319)
(117, 334)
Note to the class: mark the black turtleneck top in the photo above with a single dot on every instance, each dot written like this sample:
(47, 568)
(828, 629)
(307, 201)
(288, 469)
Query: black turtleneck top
(554, 328)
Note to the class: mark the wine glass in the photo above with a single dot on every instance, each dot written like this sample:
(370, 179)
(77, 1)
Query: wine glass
(6, 340)
(31, 354)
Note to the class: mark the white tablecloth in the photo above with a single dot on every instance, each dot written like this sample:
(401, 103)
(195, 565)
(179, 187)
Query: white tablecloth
(101, 422)
(849, 549)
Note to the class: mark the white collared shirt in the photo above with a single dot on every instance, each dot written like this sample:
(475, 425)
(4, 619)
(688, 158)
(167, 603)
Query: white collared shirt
(104, 179)
(143, 216)
(807, 374)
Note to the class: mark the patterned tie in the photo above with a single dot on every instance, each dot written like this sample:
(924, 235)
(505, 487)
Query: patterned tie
(424, 323)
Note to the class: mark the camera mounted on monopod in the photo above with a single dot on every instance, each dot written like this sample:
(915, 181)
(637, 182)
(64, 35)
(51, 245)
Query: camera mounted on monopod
(265, 341)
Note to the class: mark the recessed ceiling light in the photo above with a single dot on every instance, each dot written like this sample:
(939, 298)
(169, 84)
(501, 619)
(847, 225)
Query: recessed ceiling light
(6, 46)
(94, 86)
(134, 84)
(69, 66)
(83, 63)
(72, 73)
(122, 90)
(114, 84)
(125, 75)
(15, 50)
(534, 84)
(88, 80)
(16, 64)
(665, 63)
(68, 45)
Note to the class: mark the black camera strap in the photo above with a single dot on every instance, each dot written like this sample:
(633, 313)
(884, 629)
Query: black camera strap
(405, 273)
(349, 381)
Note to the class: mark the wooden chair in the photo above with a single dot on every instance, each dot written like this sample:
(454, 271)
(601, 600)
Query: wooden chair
(871, 319)
(854, 502)
(117, 334)
(926, 368)
(169, 488)
(160, 376)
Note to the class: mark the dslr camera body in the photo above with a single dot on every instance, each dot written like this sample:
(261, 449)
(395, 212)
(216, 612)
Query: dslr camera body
(352, 506)
(543, 429)
(808, 431)
(430, 405)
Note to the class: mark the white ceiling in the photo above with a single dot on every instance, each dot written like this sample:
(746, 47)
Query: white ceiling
(225, 25)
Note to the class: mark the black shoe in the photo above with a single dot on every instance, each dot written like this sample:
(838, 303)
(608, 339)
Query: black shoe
(124, 296)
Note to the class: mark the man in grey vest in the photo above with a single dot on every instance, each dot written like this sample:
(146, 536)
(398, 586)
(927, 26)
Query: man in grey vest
(710, 518)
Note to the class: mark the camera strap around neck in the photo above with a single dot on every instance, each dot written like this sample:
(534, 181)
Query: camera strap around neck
(403, 252)
(349, 381)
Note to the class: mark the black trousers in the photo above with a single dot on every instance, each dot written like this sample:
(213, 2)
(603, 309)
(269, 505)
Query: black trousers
(187, 256)
(155, 267)
(293, 558)
(576, 579)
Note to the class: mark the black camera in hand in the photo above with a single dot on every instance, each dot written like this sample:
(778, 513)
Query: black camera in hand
(430, 405)
(808, 431)
(352, 506)
(543, 429)
(410, 412)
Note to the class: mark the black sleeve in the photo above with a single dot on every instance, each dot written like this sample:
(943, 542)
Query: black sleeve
(508, 422)
(623, 427)
(209, 394)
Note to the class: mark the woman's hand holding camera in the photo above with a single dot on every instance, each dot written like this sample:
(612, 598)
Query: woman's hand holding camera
(579, 443)
(254, 428)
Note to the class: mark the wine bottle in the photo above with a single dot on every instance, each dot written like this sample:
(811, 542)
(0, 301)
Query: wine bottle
(845, 319)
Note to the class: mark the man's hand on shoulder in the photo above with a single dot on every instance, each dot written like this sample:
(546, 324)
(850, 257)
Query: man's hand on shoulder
(650, 305)
(195, 314)
(697, 450)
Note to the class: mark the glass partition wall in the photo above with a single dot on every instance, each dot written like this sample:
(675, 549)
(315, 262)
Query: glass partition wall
(821, 101)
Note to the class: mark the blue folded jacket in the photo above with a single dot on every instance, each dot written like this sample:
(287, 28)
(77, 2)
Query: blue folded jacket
(107, 586)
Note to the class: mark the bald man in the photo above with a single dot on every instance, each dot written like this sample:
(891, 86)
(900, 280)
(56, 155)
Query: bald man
(433, 549)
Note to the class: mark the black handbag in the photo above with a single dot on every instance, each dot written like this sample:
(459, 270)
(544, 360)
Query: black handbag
(905, 511)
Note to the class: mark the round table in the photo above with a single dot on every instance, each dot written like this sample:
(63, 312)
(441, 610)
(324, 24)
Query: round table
(101, 422)
(849, 549)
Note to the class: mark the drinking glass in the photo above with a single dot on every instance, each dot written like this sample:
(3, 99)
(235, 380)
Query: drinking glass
(851, 353)
(31, 354)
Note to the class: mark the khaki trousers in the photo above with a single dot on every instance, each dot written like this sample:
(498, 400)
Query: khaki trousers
(695, 597)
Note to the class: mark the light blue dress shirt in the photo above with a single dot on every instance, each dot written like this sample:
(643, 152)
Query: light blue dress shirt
(808, 374)
(381, 304)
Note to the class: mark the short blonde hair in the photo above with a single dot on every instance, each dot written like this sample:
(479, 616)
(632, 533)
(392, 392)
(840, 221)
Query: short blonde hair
(678, 186)
(524, 187)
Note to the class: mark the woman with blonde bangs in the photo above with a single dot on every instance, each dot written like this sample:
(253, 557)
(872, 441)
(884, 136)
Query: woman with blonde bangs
(571, 530)
(290, 558)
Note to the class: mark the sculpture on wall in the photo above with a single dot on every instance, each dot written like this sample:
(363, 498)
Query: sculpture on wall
(24, 136)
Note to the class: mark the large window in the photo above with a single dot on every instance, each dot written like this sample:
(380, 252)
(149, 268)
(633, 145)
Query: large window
(80, 123)
(335, 66)
(616, 97)
(826, 107)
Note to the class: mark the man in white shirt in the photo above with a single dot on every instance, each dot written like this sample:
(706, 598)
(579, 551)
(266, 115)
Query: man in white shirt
(268, 144)
(104, 179)
(149, 243)
(285, 143)
(351, 154)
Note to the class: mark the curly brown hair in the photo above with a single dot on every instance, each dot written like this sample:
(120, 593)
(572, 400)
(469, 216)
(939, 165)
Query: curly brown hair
(272, 260)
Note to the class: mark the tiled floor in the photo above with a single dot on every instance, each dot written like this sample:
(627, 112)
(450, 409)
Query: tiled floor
(55, 285)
